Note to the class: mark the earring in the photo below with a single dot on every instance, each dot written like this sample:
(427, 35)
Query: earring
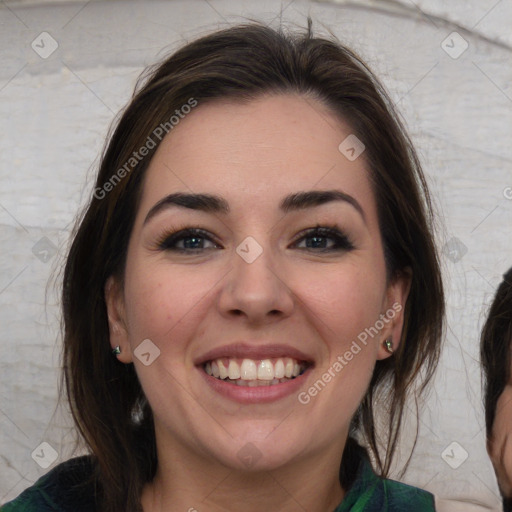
(117, 350)
(389, 345)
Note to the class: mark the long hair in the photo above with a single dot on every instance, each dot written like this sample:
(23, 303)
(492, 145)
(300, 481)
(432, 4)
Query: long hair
(240, 63)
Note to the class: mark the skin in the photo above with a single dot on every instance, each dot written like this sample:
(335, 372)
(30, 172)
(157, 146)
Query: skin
(499, 446)
(253, 155)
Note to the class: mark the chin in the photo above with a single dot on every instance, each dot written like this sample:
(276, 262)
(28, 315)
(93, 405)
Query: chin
(266, 452)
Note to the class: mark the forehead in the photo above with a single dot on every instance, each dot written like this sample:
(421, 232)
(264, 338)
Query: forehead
(265, 148)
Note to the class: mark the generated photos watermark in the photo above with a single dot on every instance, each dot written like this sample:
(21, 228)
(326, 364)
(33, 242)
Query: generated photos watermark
(304, 397)
(137, 156)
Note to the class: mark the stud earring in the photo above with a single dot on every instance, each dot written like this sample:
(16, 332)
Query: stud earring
(389, 345)
(117, 350)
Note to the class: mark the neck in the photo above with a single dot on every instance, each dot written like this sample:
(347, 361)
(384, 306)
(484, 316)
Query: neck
(192, 483)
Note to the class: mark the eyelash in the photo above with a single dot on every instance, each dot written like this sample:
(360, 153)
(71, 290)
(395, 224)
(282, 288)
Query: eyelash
(342, 241)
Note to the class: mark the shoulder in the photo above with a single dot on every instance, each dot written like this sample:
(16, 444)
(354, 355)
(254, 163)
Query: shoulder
(371, 493)
(67, 487)
(402, 497)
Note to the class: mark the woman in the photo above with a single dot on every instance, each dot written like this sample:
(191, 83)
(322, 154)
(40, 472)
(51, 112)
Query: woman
(258, 256)
(495, 345)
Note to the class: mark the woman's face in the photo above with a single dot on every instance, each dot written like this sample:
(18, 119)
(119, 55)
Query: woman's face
(254, 294)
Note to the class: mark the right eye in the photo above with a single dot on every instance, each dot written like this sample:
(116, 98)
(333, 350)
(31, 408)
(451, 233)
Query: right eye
(192, 239)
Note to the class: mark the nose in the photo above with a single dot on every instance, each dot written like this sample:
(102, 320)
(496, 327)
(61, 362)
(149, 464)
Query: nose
(255, 290)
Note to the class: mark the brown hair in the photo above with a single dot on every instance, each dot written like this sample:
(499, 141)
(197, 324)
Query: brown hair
(241, 63)
(495, 347)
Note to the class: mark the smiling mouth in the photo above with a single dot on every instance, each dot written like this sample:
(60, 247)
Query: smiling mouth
(255, 372)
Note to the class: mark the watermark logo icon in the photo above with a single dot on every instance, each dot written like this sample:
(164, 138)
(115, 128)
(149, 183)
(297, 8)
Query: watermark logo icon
(249, 454)
(147, 352)
(454, 45)
(351, 147)
(454, 455)
(44, 249)
(44, 455)
(454, 249)
(44, 45)
(249, 249)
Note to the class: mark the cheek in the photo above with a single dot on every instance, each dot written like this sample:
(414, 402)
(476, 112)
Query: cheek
(150, 306)
(344, 305)
(347, 299)
(163, 301)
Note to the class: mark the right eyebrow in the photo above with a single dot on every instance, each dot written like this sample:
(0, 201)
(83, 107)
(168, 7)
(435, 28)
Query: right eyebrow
(204, 202)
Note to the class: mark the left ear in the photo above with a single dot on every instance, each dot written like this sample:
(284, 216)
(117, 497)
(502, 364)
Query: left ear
(393, 311)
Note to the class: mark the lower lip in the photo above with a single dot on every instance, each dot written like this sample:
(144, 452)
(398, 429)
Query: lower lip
(257, 394)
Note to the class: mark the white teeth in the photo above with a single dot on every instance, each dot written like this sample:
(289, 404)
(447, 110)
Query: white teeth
(288, 371)
(233, 370)
(254, 383)
(265, 370)
(223, 372)
(279, 369)
(248, 370)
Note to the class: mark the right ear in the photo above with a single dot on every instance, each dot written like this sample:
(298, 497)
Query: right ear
(117, 319)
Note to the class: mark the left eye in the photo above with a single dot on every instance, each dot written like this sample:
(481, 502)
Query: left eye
(320, 235)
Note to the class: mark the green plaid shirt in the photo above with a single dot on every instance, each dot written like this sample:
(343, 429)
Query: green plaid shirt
(368, 493)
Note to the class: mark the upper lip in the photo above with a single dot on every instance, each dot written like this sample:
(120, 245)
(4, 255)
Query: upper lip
(244, 350)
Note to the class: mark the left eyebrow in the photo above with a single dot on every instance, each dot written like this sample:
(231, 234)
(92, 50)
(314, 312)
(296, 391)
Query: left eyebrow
(215, 204)
(311, 198)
